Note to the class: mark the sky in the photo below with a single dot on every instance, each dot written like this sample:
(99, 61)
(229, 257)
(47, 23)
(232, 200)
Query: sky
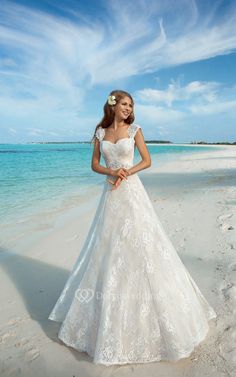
(59, 60)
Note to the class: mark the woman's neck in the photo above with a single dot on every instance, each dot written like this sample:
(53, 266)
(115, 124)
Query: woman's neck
(117, 124)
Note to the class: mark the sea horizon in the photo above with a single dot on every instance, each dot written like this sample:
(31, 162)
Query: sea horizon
(147, 142)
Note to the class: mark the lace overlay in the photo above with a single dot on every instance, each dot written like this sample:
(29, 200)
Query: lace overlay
(129, 297)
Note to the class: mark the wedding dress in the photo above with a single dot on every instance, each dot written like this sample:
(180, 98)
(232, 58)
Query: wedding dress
(129, 298)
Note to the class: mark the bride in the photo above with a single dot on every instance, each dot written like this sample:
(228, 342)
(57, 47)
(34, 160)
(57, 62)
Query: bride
(129, 298)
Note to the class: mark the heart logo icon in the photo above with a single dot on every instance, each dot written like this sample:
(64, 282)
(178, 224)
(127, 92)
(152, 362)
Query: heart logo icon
(84, 294)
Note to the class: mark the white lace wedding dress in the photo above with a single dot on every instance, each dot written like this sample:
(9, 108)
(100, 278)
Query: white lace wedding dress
(129, 298)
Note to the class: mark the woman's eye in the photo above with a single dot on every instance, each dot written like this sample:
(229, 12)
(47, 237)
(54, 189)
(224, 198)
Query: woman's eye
(124, 103)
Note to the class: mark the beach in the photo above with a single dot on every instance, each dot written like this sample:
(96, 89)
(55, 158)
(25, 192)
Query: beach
(195, 199)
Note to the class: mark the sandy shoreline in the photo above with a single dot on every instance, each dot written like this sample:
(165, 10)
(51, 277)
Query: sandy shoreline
(192, 145)
(195, 198)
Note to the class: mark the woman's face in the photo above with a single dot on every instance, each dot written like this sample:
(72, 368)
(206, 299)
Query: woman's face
(123, 108)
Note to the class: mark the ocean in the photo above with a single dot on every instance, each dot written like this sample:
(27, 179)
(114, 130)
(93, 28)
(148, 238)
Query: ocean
(41, 180)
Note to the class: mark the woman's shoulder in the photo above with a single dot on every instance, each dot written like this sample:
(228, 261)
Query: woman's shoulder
(100, 133)
(134, 128)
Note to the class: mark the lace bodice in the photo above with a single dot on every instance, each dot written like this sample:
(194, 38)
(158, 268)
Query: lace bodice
(121, 153)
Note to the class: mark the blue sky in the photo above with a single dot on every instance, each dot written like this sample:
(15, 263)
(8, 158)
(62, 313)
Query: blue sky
(60, 59)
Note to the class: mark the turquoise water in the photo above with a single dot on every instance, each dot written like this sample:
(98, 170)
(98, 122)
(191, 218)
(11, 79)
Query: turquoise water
(38, 178)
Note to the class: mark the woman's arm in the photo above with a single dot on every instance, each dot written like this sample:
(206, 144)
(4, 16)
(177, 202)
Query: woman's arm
(144, 152)
(146, 158)
(98, 168)
(95, 164)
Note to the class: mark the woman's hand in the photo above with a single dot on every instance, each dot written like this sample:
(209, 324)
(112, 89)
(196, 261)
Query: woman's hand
(115, 183)
(121, 174)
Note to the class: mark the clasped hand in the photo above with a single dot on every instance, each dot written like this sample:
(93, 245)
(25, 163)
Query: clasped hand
(121, 174)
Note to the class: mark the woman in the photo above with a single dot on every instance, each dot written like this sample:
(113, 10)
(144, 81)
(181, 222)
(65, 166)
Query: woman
(129, 297)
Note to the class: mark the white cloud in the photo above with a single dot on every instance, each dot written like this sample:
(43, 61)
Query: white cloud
(7, 62)
(12, 130)
(35, 132)
(214, 107)
(185, 107)
(157, 114)
(204, 90)
(52, 62)
(65, 53)
(39, 132)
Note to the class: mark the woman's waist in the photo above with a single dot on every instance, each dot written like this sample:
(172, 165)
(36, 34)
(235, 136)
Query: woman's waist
(119, 164)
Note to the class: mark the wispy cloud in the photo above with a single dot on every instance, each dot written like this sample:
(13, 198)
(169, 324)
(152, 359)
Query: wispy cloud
(62, 53)
(158, 114)
(197, 97)
(49, 63)
(175, 92)
(214, 108)
(39, 132)
(185, 105)
(12, 131)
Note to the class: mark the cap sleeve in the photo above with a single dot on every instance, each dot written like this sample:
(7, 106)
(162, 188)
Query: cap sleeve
(133, 129)
(100, 133)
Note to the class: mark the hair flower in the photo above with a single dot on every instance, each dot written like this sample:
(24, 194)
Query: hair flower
(111, 100)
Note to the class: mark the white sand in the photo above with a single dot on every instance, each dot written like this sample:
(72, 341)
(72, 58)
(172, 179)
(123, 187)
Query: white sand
(195, 198)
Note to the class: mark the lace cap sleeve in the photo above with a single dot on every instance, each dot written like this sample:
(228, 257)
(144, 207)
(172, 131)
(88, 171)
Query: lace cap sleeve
(133, 129)
(100, 133)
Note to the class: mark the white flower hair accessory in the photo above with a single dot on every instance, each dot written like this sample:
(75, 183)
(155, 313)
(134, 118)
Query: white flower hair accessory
(111, 100)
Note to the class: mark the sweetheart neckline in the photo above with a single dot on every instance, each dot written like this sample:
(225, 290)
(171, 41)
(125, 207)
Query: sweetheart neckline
(123, 138)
